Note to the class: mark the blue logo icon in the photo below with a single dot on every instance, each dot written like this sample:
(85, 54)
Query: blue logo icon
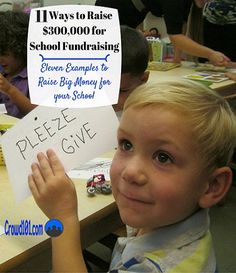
(54, 228)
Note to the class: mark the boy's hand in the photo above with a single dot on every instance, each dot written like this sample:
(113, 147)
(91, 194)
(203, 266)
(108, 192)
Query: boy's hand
(52, 189)
(4, 85)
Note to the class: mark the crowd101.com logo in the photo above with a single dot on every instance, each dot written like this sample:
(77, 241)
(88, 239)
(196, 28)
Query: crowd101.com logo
(53, 228)
(24, 228)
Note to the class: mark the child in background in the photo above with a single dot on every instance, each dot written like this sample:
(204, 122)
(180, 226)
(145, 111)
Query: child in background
(220, 17)
(175, 142)
(135, 56)
(175, 14)
(14, 91)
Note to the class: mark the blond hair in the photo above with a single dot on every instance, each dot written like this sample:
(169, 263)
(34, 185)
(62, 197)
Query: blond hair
(207, 113)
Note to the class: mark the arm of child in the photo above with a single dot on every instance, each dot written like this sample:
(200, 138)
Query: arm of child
(177, 55)
(55, 194)
(187, 45)
(231, 76)
(16, 96)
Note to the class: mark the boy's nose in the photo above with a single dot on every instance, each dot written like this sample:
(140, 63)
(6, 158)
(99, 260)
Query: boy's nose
(135, 172)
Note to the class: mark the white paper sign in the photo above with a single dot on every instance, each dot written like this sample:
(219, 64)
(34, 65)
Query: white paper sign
(77, 135)
(2, 231)
(3, 109)
(74, 56)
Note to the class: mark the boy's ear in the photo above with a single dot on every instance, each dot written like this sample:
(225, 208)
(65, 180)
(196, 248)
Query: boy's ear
(145, 76)
(218, 184)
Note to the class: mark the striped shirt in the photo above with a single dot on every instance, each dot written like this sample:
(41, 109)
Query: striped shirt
(220, 12)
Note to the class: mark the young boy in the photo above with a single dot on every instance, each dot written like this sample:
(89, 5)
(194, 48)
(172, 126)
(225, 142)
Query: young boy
(14, 90)
(175, 141)
(135, 56)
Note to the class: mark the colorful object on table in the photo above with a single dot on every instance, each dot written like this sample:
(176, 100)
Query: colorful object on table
(207, 76)
(162, 66)
(98, 184)
(156, 49)
(6, 122)
(2, 162)
(210, 67)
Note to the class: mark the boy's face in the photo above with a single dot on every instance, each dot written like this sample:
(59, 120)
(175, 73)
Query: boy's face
(156, 176)
(10, 64)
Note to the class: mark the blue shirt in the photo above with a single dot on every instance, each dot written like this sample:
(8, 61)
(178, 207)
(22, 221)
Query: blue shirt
(20, 81)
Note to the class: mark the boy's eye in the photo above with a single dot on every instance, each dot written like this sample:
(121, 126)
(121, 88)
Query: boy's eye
(162, 157)
(125, 145)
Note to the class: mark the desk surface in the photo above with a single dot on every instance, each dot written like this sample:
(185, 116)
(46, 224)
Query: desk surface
(15, 250)
(185, 69)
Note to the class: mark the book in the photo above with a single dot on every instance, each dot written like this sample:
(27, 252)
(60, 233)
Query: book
(207, 76)
(7, 121)
(210, 67)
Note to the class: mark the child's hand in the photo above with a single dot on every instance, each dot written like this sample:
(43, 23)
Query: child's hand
(52, 189)
(4, 85)
(231, 76)
(219, 59)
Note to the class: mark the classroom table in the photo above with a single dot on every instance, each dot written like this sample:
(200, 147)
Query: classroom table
(98, 217)
(185, 69)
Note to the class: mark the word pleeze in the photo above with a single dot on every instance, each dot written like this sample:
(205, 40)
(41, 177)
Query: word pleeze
(50, 128)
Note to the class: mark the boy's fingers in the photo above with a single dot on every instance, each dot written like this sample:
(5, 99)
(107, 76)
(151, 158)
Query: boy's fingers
(45, 168)
(55, 163)
(33, 187)
(37, 178)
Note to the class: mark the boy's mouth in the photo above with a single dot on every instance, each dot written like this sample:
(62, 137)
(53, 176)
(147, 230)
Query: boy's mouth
(131, 198)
